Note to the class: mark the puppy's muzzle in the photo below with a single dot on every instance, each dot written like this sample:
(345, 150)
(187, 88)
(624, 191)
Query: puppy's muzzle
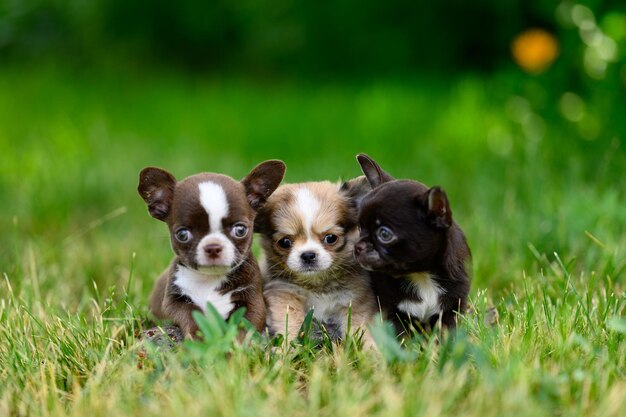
(366, 255)
(360, 247)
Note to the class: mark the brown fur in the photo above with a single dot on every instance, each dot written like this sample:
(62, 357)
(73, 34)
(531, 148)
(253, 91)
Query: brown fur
(290, 294)
(178, 205)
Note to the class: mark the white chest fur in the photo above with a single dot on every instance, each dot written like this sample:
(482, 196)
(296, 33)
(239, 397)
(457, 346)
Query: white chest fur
(427, 289)
(203, 289)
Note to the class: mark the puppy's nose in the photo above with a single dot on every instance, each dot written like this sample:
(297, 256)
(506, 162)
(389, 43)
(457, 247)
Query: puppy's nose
(213, 250)
(308, 257)
(360, 247)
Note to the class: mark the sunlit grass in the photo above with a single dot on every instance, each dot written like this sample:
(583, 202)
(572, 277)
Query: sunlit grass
(558, 346)
(79, 253)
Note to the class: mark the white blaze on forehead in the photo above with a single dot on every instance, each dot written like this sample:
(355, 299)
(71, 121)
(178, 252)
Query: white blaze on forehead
(213, 199)
(308, 206)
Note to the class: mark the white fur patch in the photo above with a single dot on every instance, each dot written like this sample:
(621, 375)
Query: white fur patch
(202, 289)
(428, 290)
(308, 206)
(213, 199)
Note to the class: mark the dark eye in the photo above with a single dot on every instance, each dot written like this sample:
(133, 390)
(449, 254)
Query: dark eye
(239, 230)
(183, 235)
(330, 239)
(284, 243)
(385, 235)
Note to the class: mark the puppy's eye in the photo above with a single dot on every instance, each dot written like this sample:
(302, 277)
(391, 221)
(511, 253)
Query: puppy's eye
(183, 235)
(284, 243)
(239, 230)
(385, 235)
(330, 239)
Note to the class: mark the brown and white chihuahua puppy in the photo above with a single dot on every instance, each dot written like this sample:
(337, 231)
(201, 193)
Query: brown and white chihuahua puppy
(210, 218)
(308, 234)
(416, 252)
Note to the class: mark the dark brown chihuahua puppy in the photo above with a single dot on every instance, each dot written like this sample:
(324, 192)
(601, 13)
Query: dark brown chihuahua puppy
(416, 252)
(210, 218)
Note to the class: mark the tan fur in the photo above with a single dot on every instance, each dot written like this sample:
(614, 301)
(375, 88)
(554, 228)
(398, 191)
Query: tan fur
(288, 303)
(286, 217)
(290, 295)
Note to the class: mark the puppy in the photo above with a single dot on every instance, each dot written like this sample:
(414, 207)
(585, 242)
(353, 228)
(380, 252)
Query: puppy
(308, 233)
(210, 218)
(416, 251)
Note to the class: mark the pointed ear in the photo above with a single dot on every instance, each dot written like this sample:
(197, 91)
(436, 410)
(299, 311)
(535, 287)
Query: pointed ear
(156, 187)
(355, 189)
(439, 208)
(262, 181)
(373, 172)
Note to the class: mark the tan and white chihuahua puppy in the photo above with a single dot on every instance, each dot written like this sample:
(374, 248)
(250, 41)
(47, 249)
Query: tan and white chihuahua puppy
(210, 218)
(308, 235)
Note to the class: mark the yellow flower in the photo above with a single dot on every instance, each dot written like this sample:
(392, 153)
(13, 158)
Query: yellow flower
(534, 50)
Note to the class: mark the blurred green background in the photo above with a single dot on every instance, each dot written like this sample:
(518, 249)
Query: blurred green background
(528, 140)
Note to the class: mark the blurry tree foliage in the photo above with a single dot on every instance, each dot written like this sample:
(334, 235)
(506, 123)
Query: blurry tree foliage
(552, 64)
(301, 36)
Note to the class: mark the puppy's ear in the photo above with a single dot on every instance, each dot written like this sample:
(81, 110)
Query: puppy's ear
(261, 182)
(438, 207)
(373, 172)
(355, 189)
(262, 223)
(156, 187)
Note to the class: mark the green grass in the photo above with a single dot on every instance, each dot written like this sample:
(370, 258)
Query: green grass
(79, 254)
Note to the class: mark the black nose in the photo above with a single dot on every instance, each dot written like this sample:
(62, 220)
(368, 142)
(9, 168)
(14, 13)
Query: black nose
(308, 257)
(213, 250)
(360, 247)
